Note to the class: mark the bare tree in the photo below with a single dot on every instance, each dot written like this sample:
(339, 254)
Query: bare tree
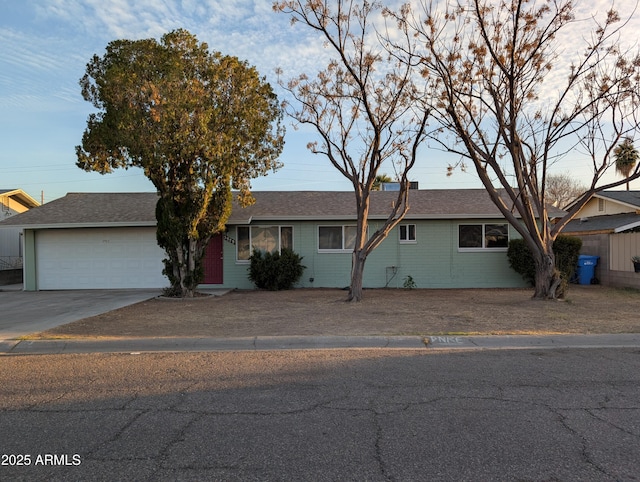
(487, 61)
(360, 104)
(563, 189)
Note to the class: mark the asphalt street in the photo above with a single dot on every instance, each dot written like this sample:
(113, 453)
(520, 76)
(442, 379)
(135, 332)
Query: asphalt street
(381, 415)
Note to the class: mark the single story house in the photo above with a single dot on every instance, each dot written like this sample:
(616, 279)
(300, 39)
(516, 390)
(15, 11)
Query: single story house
(449, 239)
(12, 202)
(609, 226)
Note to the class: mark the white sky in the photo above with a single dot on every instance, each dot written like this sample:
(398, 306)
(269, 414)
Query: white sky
(44, 48)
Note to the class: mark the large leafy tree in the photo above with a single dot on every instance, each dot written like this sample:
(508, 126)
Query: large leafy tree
(361, 106)
(197, 123)
(490, 64)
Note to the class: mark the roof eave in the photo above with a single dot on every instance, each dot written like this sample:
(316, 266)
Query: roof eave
(128, 224)
(376, 217)
(627, 227)
(23, 197)
(589, 233)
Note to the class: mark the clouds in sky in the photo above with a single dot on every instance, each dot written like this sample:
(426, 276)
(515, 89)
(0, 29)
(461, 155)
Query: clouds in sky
(45, 45)
(56, 38)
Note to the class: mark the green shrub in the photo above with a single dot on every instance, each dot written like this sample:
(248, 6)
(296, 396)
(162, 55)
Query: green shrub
(409, 283)
(521, 261)
(566, 249)
(275, 271)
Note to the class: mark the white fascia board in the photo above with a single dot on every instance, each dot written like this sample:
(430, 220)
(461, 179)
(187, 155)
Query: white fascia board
(239, 221)
(377, 217)
(287, 219)
(626, 227)
(441, 217)
(87, 225)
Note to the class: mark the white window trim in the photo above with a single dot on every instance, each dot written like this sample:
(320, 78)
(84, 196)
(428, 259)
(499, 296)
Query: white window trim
(483, 249)
(415, 232)
(329, 251)
(279, 226)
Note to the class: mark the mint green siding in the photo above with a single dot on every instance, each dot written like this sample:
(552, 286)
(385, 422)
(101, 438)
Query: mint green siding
(433, 261)
(29, 260)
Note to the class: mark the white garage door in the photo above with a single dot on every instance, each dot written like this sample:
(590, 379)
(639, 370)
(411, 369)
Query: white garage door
(98, 258)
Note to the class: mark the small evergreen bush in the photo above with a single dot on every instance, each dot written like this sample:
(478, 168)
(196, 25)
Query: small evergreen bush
(566, 249)
(409, 283)
(275, 271)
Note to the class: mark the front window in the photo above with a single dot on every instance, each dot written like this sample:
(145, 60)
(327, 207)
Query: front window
(263, 238)
(407, 233)
(336, 238)
(483, 236)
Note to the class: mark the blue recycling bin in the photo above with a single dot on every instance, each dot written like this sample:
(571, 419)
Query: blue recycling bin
(586, 268)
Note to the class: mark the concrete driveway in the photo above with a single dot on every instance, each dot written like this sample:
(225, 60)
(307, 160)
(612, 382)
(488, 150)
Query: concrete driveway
(25, 312)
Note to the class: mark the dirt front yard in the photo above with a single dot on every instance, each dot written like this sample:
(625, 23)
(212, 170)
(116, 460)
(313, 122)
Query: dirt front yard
(588, 309)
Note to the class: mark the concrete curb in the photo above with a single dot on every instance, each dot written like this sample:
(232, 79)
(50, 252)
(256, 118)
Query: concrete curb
(264, 343)
(127, 345)
(490, 342)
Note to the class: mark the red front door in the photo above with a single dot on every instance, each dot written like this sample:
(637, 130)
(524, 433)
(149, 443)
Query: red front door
(213, 261)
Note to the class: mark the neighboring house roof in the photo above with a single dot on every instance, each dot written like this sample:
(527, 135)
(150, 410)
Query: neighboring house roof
(138, 209)
(614, 223)
(626, 201)
(19, 196)
(630, 198)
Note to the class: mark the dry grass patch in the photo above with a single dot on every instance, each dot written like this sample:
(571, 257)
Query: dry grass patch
(588, 309)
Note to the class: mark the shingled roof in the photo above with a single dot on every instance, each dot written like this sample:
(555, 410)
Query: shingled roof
(340, 205)
(138, 209)
(612, 223)
(91, 209)
(631, 198)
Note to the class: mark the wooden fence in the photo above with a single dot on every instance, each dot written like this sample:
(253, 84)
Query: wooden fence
(622, 247)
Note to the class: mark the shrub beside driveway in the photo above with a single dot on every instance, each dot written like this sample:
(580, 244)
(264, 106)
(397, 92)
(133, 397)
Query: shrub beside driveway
(588, 309)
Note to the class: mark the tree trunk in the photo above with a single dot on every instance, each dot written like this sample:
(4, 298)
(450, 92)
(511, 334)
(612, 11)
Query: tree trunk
(548, 281)
(184, 265)
(358, 259)
(179, 269)
(183, 268)
(189, 283)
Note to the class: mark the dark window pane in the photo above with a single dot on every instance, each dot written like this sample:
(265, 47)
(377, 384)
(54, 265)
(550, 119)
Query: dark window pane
(286, 237)
(330, 237)
(470, 236)
(496, 236)
(242, 242)
(407, 232)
